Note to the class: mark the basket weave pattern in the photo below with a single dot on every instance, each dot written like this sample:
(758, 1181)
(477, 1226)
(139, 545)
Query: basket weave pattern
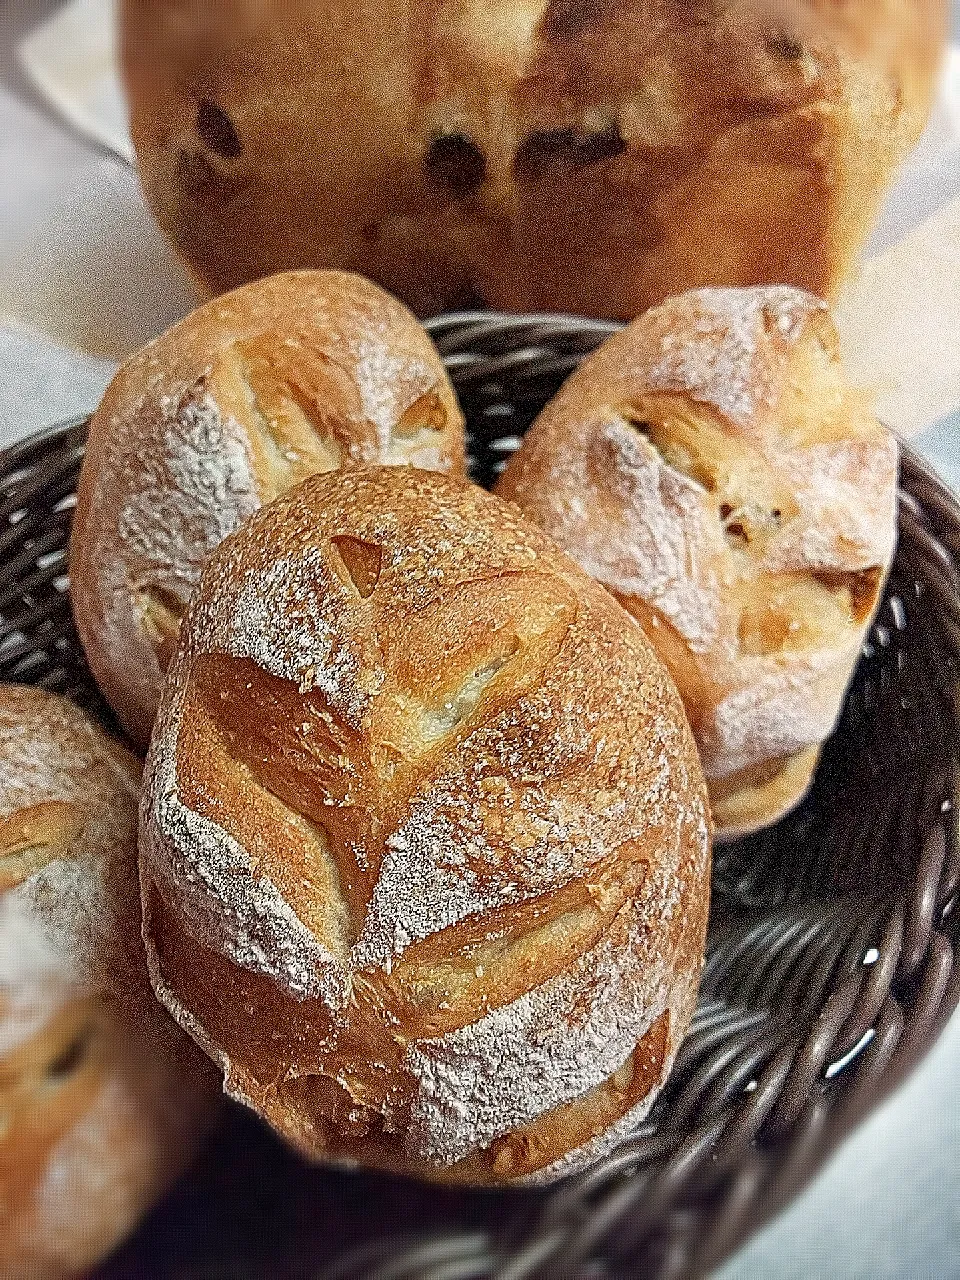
(831, 962)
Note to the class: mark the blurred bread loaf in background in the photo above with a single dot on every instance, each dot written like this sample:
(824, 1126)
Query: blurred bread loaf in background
(592, 156)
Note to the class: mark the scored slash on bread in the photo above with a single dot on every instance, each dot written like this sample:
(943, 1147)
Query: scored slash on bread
(34, 837)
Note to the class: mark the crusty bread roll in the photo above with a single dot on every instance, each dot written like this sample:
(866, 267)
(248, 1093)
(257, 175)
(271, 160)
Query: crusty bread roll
(102, 1098)
(593, 156)
(424, 845)
(295, 375)
(712, 468)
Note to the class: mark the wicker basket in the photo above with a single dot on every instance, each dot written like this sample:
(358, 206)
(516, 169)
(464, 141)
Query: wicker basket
(831, 955)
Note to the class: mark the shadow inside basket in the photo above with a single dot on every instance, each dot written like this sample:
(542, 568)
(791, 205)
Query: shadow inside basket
(829, 970)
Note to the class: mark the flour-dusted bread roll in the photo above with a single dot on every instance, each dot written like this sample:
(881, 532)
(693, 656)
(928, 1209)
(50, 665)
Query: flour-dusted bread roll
(424, 841)
(102, 1098)
(592, 156)
(291, 376)
(712, 468)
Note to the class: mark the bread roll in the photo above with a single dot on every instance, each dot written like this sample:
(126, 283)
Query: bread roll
(592, 156)
(102, 1098)
(424, 845)
(712, 468)
(299, 374)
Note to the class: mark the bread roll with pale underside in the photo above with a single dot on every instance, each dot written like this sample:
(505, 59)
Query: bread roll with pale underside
(712, 468)
(591, 156)
(102, 1098)
(295, 375)
(424, 841)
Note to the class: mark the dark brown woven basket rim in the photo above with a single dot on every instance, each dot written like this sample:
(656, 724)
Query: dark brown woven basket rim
(819, 996)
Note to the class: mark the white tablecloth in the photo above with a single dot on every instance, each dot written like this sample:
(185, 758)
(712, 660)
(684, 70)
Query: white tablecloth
(888, 1206)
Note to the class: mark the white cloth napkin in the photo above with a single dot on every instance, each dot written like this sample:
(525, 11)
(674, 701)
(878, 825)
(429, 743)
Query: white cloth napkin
(42, 384)
(71, 60)
(81, 260)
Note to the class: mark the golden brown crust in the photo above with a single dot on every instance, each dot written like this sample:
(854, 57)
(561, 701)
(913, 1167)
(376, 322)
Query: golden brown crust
(590, 156)
(299, 374)
(424, 852)
(711, 467)
(102, 1100)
